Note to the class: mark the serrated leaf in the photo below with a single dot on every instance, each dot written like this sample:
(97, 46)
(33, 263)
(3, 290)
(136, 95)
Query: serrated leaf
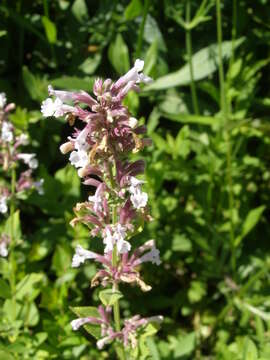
(87, 311)
(109, 297)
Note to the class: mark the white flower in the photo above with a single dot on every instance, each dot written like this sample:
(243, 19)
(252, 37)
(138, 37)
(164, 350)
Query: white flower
(116, 237)
(77, 323)
(79, 158)
(3, 100)
(29, 159)
(80, 143)
(132, 122)
(151, 256)
(7, 134)
(3, 249)
(81, 255)
(139, 199)
(3, 204)
(103, 341)
(98, 202)
(38, 185)
(135, 75)
(52, 108)
(23, 139)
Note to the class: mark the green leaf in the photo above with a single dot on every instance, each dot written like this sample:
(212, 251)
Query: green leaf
(109, 297)
(29, 287)
(192, 119)
(13, 226)
(37, 87)
(134, 9)
(185, 346)
(4, 289)
(90, 64)
(79, 10)
(250, 351)
(205, 62)
(151, 57)
(87, 311)
(196, 291)
(3, 33)
(73, 83)
(181, 243)
(251, 221)
(20, 118)
(4, 355)
(50, 29)
(118, 55)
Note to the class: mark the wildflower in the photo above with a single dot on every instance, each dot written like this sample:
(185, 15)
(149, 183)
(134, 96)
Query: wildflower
(3, 204)
(3, 100)
(79, 158)
(4, 241)
(7, 132)
(81, 255)
(115, 235)
(29, 159)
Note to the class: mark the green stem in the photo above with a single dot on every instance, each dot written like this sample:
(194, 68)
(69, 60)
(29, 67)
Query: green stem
(141, 30)
(223, 105)
(189, 54)
(12, 239)
(116, 308)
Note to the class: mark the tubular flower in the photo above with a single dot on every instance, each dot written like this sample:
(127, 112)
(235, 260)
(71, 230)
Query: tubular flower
(99, 149)
(10, 155)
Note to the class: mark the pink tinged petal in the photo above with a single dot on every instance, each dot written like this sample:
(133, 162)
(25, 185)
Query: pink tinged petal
(77, 323)
(80, 142)
(152, 256)
(102, 342)
(92, 182)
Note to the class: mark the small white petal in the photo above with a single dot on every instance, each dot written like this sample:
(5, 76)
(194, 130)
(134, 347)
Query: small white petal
(3, 100)
(139, 64)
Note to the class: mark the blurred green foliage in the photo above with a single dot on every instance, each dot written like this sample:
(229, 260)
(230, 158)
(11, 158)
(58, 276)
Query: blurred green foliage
(208, 174)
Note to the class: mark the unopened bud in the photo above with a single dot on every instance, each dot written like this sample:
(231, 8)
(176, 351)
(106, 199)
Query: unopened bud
(66, 147)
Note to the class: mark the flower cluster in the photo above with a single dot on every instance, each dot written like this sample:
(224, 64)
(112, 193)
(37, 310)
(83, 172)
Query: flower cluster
(10, 156)
(127, 334)
(99, 149)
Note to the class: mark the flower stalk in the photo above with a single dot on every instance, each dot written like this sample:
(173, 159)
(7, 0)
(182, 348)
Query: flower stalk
(100, 149)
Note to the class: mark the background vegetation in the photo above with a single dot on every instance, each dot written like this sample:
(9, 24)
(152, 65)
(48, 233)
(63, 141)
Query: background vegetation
(208, 172)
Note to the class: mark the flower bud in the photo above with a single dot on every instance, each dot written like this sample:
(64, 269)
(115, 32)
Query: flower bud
(66, 147)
